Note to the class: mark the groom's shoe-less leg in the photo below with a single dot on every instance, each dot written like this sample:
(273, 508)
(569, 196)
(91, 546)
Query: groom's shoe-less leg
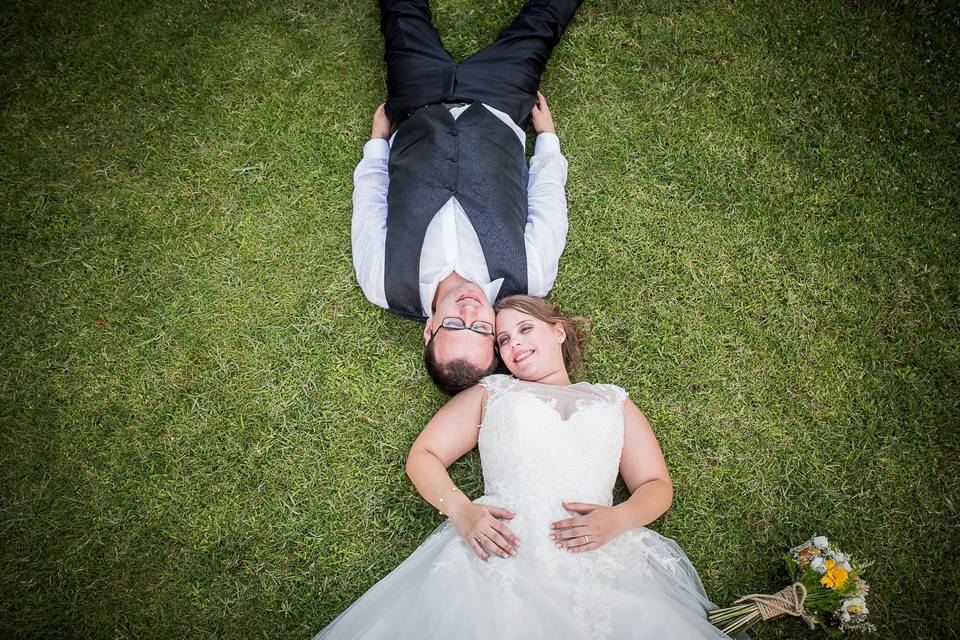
(506, 74)
(419, 69)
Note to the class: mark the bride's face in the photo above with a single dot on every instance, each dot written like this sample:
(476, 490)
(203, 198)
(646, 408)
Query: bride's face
(529, 347)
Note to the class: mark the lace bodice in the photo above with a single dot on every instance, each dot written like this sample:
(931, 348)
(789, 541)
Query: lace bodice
(541, 445)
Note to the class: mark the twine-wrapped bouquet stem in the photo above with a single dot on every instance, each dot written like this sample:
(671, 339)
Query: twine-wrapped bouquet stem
(738, 618)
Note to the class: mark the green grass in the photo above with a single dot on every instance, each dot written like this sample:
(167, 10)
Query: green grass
(204, 424)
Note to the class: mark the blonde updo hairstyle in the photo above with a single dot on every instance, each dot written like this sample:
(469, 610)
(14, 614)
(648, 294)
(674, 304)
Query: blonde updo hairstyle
(577, 327)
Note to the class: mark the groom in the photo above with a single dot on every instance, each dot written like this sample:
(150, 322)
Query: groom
(447, 216)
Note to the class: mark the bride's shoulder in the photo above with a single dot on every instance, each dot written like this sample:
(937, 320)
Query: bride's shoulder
(610, 392)
(494, 384)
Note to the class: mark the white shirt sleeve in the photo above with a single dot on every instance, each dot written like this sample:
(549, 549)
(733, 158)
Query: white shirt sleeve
(546, 230)
(368, 229)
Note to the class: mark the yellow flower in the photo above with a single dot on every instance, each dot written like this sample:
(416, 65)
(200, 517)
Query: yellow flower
(835, 577)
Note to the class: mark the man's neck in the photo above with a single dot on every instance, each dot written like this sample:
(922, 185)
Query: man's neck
(451, 281)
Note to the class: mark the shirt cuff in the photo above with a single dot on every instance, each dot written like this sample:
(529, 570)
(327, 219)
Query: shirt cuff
(546, 143)
(376, 149)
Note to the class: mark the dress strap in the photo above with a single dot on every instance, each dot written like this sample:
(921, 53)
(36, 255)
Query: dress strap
(497, 383)
(613, 393)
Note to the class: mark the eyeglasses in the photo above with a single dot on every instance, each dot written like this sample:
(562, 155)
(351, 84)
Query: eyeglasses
(453, 323)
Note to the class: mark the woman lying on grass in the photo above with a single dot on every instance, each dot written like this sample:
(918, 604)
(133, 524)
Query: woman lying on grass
(544, 553)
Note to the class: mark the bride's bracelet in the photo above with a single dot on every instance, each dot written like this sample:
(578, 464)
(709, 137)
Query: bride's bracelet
(444, 497)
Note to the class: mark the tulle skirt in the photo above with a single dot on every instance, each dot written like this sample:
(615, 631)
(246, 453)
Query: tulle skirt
(640, 585)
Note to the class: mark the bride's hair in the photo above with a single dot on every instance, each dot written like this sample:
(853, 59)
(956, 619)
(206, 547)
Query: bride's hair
(576, 327)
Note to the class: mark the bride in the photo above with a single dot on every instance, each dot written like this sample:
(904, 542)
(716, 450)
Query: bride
(544, 553)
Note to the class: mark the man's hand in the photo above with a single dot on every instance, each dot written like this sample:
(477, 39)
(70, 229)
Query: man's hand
(540, 116)
(381, 124)
(480, 526)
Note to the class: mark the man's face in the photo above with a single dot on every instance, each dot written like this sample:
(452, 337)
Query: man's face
(469, 303)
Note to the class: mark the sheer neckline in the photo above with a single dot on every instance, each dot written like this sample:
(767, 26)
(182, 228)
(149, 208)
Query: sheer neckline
(563, 400)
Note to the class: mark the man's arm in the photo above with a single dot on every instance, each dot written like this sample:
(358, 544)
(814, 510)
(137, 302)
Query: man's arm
(368, 230)
(546, 230)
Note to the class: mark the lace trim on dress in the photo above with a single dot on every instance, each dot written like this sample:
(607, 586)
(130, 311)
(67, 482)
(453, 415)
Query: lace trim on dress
(496, 383)
(562, 400)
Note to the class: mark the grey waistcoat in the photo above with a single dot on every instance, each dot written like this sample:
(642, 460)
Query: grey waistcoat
(476, 158)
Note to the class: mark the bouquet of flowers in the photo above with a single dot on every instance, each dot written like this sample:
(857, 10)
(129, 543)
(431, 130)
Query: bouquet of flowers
(827, 590)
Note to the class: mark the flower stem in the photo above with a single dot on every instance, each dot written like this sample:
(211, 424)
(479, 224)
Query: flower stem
(741, 625)
(728, 613)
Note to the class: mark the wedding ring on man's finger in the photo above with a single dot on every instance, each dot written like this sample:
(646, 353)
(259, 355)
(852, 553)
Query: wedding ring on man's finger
(586, 539)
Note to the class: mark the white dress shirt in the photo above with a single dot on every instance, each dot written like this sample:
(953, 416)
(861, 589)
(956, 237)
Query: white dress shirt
(450, 243)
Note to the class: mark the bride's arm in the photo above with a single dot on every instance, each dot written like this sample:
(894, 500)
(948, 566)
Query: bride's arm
(646, 476)
(644, 471)
(450, 434)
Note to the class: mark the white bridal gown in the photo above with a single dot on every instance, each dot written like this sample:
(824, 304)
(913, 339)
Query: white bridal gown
(539, 445)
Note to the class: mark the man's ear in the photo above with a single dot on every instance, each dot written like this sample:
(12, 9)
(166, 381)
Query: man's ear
(426, 332)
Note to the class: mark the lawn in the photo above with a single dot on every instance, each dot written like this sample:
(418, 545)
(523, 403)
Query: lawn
(204, 423)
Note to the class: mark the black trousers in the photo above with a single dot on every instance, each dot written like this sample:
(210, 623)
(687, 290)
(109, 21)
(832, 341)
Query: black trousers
(504, 75)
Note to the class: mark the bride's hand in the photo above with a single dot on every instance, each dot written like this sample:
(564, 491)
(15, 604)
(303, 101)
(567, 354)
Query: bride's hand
(597, 526)
(479, 525)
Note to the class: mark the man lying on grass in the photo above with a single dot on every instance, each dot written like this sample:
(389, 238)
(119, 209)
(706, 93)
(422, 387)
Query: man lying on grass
(447, 216)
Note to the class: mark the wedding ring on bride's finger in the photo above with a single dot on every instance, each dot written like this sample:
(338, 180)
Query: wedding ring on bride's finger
(586, 539)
